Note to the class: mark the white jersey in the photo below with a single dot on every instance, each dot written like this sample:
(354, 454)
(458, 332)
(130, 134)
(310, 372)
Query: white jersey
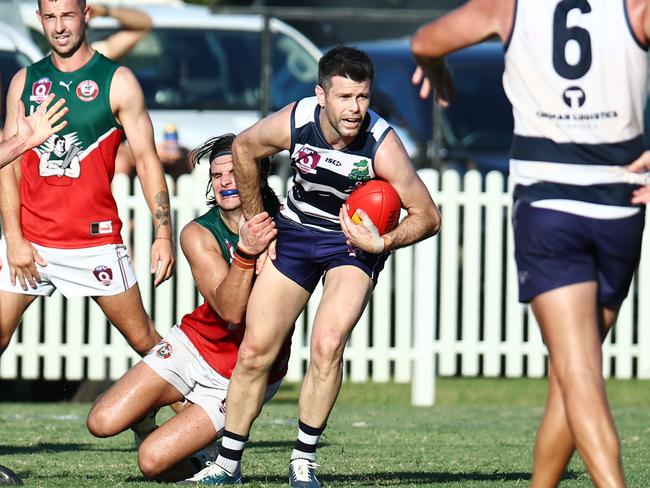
(576, 77)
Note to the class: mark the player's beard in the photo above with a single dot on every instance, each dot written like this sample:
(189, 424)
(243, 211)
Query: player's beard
(337, 124)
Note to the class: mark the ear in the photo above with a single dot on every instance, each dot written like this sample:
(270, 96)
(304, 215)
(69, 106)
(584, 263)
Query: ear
(86, 13)
(320, 94)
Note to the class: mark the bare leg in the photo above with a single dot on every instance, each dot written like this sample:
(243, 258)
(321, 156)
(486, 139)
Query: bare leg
(570, 325)
(273, 307)
(127, 313)
(346, 292)
(554, 445)
(136, 393)
(12, 305)
(164, 454)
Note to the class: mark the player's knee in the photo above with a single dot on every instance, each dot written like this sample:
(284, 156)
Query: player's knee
(327, 350)
(149, 462)
(100, 422)
(253, 358)
(144, 341)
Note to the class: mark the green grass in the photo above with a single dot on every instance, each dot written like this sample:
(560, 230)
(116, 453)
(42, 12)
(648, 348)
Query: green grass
(479, 434)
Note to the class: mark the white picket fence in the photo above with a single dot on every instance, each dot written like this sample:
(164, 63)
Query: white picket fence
(447, 306)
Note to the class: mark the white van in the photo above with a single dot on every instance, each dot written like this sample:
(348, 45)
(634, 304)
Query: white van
(201, 71)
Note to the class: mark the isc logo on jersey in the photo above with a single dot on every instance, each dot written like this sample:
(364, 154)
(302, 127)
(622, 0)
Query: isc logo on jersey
(87, 90)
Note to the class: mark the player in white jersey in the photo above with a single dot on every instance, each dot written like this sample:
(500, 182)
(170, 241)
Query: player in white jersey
(575, 73)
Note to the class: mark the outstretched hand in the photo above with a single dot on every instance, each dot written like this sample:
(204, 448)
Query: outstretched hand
(641, 195)
(39, 126)
(432, 74)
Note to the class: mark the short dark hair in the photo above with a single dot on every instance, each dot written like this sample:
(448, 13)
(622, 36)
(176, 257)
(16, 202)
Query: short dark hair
(345, 61)
(81, 3)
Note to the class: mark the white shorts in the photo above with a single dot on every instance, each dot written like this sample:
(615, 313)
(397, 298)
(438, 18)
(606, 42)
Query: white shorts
(177, 361)
(91, 271)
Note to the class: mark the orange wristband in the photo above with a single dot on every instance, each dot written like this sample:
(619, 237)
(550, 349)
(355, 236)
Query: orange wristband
(240, 263)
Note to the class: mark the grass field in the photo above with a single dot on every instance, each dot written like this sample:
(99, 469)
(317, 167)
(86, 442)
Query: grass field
(479, 434)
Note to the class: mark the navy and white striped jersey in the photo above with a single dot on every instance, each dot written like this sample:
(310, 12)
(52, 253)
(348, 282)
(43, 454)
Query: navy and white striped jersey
(576, 77)
(323, 177)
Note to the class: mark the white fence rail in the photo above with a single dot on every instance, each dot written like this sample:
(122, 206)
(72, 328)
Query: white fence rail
(448, 303)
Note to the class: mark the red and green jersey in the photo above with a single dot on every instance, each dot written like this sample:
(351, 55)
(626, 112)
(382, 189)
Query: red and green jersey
(65, 189)
(216, 340)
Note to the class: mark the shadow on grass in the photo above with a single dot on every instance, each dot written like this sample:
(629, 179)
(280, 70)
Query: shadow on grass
(395, 478)
(273, 444)
(63, 447)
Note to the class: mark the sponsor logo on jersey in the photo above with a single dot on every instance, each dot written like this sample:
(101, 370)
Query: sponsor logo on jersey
(306, 160)
(99, 228)
(65, 85)
(104, 275)
(164, 350)
(360, 172)
(87, 90)
(333, 161)
(574, 97)
(40, 90)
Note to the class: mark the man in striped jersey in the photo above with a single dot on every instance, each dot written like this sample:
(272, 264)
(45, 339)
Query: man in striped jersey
(336, 143)
(576, 76)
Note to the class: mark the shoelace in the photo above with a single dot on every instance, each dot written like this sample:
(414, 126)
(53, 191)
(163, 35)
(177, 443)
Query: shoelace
(303, 469)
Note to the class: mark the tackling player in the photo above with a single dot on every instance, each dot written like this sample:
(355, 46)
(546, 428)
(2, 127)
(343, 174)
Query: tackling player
(195, 360)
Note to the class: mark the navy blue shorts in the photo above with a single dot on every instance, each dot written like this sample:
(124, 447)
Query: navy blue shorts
(555, 249)
(304, 254)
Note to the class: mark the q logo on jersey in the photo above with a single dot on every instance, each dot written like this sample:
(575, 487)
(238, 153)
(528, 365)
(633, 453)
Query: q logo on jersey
(307, 159)
(87, 90)
(40, 90)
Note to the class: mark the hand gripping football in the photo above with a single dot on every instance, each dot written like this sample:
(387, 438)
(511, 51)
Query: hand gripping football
(380, 201)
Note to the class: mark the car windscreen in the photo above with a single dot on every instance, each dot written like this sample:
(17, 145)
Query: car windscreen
(210, 69)
(10, 63)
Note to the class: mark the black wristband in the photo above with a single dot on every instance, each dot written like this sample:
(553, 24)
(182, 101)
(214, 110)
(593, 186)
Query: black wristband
(245, 255)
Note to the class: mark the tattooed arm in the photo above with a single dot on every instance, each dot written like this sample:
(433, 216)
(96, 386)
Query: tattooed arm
(128, 105)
